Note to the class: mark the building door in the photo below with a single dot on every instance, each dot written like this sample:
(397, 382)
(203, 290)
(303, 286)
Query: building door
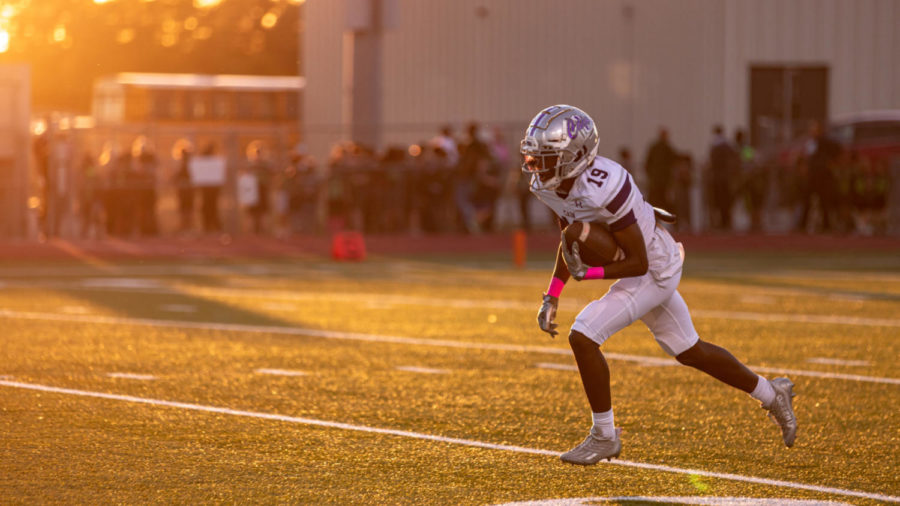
(783, 100)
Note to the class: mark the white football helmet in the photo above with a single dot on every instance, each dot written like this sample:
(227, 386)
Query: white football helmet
(560, 142)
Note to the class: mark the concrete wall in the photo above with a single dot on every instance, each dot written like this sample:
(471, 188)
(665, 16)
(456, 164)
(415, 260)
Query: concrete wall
(15, 148)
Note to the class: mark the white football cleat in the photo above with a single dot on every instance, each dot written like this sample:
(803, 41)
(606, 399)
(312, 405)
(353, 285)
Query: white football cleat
(594, 449)
(781, 409)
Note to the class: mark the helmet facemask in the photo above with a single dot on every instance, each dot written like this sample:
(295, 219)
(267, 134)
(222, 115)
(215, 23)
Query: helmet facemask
(559, 144)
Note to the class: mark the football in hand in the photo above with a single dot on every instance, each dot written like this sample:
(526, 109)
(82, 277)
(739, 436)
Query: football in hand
(596, 244)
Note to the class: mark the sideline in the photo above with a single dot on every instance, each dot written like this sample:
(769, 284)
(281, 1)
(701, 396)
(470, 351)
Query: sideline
(375, 338)
(441, 439)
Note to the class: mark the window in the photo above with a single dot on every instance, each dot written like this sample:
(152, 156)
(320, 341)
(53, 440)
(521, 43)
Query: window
(291, 105)
(244, 110)
(222, 105)
(197, 105)
(162, 104)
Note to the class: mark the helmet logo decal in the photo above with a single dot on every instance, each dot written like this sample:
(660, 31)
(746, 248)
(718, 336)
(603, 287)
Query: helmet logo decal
(576, 124)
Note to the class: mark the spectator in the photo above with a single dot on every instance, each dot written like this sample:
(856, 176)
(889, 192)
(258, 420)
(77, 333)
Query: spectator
(144, 164)
(821, 155)
(209, 199)
(338, 186)
(184, 190)
(91, 198)
(261, 171)
(447, 143)
(433, 198)
(489, 180)
(658, 166)
(122, 212)
(683, 178)
(524, 197)
(364, 189)
(869, 189)
(474, 167)
(394, 201)
(723, 177)
(752, 181)
(303, 185)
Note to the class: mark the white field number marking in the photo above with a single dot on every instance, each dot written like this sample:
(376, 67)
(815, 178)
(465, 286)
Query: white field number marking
(443, 439)
(281, 372)
(354, 336)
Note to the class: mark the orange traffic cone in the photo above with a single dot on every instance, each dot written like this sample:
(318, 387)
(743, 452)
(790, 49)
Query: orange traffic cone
(520, 247)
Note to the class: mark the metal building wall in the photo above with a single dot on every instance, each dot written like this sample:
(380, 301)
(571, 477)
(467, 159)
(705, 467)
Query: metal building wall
(856, 39)
(633, 65)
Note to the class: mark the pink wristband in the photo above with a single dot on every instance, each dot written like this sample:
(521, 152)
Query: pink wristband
(556, 286)
(594, 273)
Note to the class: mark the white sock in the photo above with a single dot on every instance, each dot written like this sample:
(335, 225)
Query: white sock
(603, 424)
(763, 392)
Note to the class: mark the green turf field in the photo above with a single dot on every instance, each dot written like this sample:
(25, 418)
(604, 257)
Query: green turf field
(427, 381)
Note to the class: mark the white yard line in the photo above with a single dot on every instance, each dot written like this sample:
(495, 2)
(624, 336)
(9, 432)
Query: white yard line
(134, 376)
(829, 375)
(556, 367)
(837, 361)
(420, 370)
(375, 338)
(796, 318)
(281, 372)
(179, 308)
(75, 310)
(442, 439)
(776, 370)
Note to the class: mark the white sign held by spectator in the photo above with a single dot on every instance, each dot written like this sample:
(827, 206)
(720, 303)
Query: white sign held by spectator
(207, 170)
(247, 190)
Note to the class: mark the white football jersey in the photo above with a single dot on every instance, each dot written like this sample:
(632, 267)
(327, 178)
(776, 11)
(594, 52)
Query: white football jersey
(605, 193)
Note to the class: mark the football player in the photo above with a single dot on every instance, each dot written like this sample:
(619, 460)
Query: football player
(560, 155)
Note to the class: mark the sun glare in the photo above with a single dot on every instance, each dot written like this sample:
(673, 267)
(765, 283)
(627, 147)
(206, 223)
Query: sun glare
(4, 41)
(206, 3)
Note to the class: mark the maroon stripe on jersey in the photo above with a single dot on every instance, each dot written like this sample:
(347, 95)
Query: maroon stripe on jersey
(620, 197)
(623, 222)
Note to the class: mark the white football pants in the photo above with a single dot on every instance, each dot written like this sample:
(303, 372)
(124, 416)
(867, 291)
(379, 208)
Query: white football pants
(656, 303)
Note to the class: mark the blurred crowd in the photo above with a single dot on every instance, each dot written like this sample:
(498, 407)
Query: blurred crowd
(468, 183)
(819, 186)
